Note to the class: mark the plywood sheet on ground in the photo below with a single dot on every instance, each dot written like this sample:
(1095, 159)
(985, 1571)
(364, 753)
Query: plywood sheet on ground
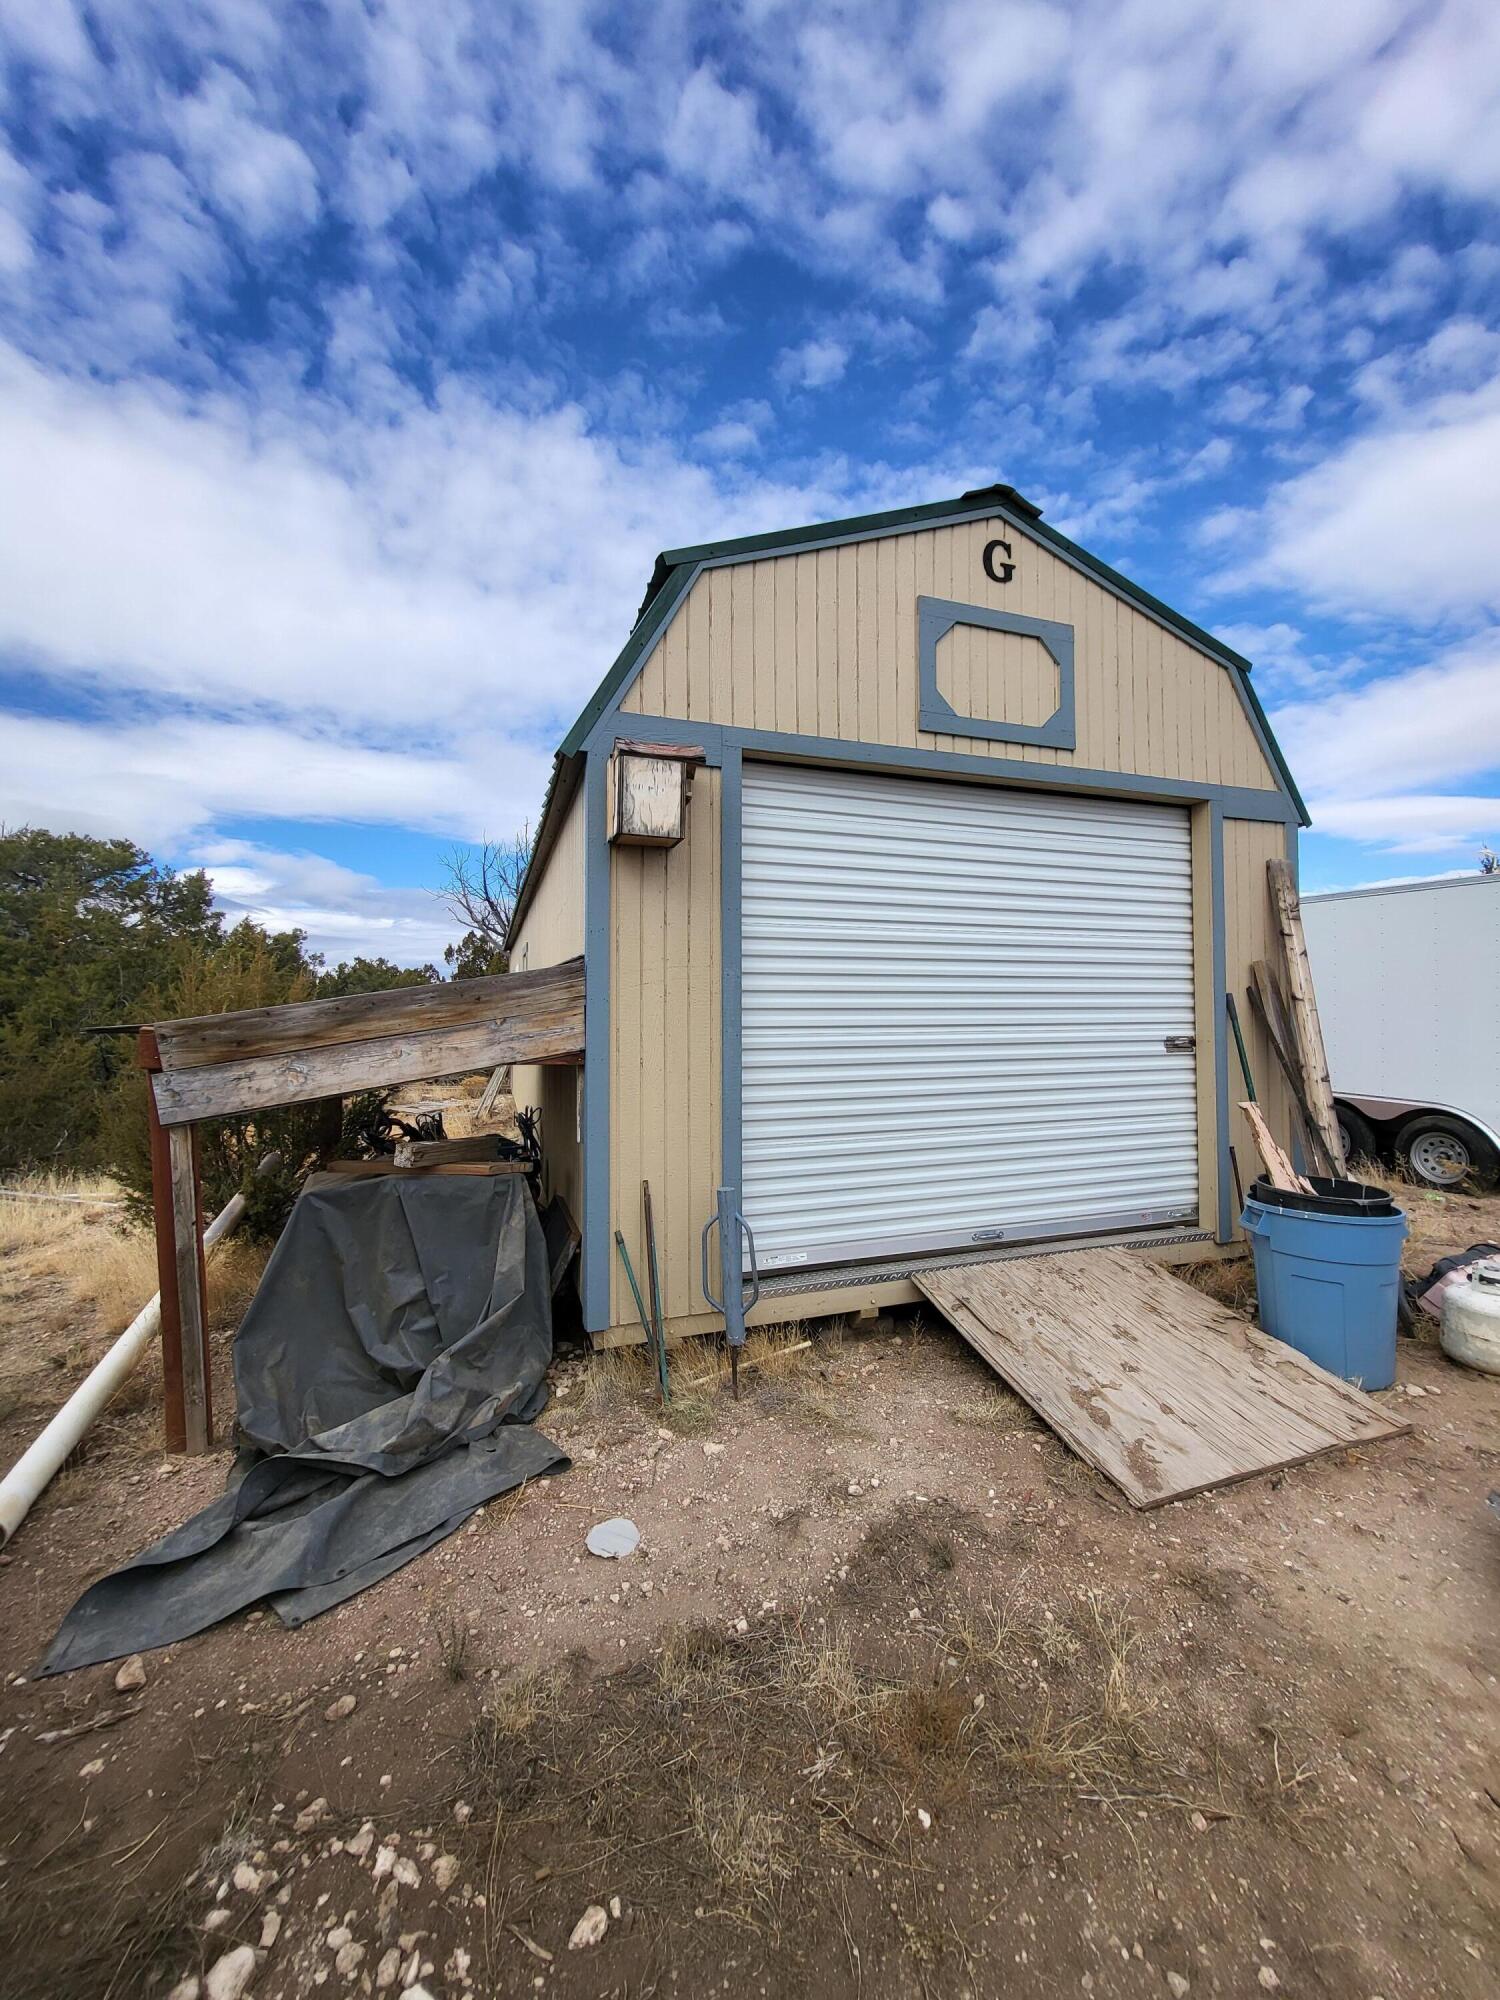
(1161, 1389)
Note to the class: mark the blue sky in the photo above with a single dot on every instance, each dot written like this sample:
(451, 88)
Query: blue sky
(357, 358)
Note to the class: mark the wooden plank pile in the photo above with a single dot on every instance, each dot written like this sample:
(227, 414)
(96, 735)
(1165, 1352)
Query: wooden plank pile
(1282, 998)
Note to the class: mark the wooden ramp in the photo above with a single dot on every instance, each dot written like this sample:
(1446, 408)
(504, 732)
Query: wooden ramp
(1145, 1377)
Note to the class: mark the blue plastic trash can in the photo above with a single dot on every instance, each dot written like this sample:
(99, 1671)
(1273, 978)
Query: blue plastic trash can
(1328, 1286)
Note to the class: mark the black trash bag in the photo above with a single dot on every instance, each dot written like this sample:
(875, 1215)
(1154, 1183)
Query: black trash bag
(387, 1374)
(1427, 1293)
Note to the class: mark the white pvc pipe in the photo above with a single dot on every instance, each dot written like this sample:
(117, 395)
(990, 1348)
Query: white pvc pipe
(28, 1478)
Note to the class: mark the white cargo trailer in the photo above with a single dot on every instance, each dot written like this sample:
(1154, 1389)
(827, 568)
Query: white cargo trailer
(1408, 984)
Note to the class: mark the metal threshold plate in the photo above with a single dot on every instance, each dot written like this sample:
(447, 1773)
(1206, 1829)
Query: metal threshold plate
(840, 1277)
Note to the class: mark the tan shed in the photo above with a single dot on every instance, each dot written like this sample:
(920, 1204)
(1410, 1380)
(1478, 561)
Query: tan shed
(911, 858)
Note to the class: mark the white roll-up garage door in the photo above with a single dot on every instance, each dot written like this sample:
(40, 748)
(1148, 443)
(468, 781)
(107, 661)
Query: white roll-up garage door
(957, 1007)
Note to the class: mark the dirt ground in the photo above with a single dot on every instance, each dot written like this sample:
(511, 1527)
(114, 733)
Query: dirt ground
(895, 1698)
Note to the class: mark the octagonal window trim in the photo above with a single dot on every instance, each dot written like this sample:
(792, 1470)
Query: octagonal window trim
(936, 618)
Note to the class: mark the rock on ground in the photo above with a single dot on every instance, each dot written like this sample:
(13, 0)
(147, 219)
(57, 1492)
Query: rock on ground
(130, 1675)
(231, 1974)
(590, 1927)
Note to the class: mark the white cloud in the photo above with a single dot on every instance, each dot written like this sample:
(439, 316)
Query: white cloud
(345, 914)
(261, 177)
(713, 137)
(813, 365)
(1378, 762)
(18, 202)
(48, 31)
(446, 566)
(1414, 823)
(1403, 731)
(1402, 519)
(1005, 333)
(1285, 665)
(330, 620)
(1201, 151)
(165, 780)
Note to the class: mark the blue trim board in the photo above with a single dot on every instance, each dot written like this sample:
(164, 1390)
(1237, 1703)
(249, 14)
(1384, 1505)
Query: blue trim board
(731, 1040)
(1237, 801)
(1221, 1018)
(597, 1240)
(655, 616)
(936, 618)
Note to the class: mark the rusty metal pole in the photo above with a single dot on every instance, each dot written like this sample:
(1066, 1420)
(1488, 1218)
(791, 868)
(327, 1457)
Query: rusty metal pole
(149, 1059)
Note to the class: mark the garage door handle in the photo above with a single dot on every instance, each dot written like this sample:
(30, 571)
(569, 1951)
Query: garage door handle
(1180, 1045)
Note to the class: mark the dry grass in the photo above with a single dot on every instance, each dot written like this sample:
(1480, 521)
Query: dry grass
(771, 1354)
(657, 1773)
(1440, 1223)
(499, 1759)
(45, 1212)
(454, 1637)
(617, 1379)
(622, 1380)
(995, 1409)
(118, 1276)
(747, 1846)
(73, 1276)
(1230, 1281)
(114, 1280)
(233, 1275)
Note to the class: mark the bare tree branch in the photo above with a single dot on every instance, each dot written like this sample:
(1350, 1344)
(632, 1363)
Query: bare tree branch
(484, 883)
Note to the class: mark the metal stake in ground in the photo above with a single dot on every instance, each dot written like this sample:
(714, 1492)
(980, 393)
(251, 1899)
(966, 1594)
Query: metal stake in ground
(635, 1290)
(1239, 1042)
(653, 1275)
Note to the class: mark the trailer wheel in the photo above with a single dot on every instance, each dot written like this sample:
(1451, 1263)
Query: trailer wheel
(1356, 1135)
(1445, 1152)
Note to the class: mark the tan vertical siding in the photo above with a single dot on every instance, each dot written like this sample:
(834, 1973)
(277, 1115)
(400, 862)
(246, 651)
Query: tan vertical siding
(1249, 934)
(825, 644)
(664, 1036)
(550, 931)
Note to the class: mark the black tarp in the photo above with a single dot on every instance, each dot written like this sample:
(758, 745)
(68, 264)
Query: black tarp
(387, 1374)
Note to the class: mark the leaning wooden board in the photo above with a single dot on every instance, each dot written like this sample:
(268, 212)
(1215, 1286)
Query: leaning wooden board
(1163, 1391)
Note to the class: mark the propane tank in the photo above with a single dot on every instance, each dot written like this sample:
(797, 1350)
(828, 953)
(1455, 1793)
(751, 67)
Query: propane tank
(1471, 1318)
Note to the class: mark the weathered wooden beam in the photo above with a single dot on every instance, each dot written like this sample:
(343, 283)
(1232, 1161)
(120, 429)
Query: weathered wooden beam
(1270, 1010)
(187, 1201)
(354, 1017)
(1307, 1029)
(444, 1152)
(166, 1251)
(548, 1027)
(1279, 1170)
(373, 1169)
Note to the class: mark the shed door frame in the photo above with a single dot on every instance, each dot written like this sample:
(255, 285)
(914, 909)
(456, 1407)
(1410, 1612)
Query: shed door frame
(1206, 815)
(725, 747)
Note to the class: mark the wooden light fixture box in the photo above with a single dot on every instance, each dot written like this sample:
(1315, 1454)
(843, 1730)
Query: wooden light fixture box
(649, 788)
